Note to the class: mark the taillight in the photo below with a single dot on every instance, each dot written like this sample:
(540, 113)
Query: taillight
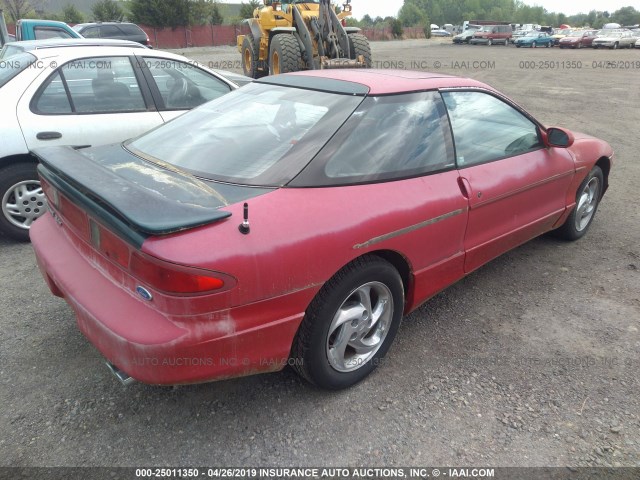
(50, 192)
(172, 278)
(109, 244)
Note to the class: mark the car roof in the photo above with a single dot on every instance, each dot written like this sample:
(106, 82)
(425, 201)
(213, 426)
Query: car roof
(374, 81)
(28, 45)
(88, 50)
(102, 23)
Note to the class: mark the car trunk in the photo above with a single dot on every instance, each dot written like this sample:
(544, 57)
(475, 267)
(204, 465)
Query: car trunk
(111, 201)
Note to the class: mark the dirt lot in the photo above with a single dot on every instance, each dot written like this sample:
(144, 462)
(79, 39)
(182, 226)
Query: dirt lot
(533, 360)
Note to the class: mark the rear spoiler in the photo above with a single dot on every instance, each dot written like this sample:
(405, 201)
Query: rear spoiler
(129, 193)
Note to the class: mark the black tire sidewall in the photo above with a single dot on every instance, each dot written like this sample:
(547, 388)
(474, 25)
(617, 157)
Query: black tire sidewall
(288, 63)
(318, 367)
(9, 176)
(247, 44)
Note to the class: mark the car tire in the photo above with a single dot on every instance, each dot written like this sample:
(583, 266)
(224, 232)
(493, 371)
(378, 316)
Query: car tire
(360, 307)
(251, 57)
(359, 45)
(517, 46)
(284, 54)
(588, 198)
(19, 186)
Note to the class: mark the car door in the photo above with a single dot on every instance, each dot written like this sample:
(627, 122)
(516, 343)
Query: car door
(87, 102)
(397, 152)
(179, 86)
(516, 187)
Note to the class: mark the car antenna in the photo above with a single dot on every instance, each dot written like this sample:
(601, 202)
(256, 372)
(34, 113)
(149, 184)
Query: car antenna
(244, 226)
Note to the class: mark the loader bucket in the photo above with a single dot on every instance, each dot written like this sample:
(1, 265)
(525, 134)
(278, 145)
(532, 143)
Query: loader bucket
(327, 63)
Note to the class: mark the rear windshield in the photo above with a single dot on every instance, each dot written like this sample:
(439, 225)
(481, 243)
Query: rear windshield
(11, 66)
(261, 135)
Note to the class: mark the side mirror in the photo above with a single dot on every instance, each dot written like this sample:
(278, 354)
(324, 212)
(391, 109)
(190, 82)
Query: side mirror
(558, 137)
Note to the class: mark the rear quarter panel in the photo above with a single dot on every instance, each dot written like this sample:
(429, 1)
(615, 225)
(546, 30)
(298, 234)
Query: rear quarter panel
(300, 237)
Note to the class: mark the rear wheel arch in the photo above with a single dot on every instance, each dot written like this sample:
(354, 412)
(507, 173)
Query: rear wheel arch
(401, 264)
(14, 159)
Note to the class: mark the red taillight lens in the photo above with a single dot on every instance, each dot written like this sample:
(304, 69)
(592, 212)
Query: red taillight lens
(172, 278)
(109, 244)
(50, 192)
(73, 215)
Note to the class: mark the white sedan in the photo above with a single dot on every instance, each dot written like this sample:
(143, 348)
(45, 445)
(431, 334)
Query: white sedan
(85, 95)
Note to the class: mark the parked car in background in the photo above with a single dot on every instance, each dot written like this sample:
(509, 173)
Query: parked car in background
(615, 40)
(638, 43)
(85, 96)
(519, 34)
(465, 36)
(534, 39)
(440, 33)
(493, 35)
(117, 30)
(559, 34)
(31, 29)
(578, 39)
(15, 48)
(201, 259)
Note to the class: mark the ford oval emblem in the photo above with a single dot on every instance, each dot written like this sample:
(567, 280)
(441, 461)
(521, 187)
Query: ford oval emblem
(144, 293)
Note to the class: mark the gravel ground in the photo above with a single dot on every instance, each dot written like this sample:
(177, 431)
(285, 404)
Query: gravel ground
(530, 361)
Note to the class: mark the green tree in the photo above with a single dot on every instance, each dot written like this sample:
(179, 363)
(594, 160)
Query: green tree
(626, 16)
(411, 15)
(17, 9)
(396, 28)
(246, 9)
(366, 21)
(70, 14)
(216, 16)
(154, 13)
(107, 11)
(426, 27)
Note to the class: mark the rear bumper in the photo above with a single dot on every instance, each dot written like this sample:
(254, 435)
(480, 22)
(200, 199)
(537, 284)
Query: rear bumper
(159, 349)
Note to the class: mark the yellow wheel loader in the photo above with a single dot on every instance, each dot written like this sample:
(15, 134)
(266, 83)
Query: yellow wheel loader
(287, 36)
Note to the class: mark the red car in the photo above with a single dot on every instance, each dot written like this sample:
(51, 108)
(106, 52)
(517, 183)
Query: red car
(296, 220)
(578, 39)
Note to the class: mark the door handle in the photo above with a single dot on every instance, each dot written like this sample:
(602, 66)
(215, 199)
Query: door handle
(465, 187)
(48, 135)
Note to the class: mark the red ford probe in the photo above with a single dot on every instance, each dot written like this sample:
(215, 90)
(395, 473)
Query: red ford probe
(297, 220)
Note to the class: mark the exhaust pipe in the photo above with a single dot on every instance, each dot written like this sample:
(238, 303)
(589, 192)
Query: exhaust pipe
(119, 374)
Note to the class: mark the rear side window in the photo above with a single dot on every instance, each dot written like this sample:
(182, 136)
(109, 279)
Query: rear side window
(53, 99)
(42, 33)
(387, 138)
(130, 29)
(108, 31)
(91, 32)
(91, 85)
(13, 65)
